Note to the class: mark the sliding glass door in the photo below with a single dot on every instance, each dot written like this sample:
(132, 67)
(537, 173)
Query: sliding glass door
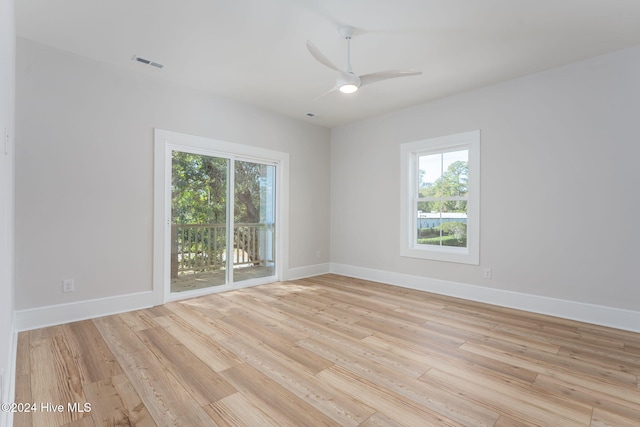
(223, 220)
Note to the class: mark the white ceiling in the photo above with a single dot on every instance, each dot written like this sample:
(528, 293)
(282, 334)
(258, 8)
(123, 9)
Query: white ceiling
(254, 50)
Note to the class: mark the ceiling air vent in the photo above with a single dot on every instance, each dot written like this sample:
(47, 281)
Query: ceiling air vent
(147, 62)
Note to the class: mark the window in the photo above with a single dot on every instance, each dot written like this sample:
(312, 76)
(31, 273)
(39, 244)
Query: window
(440, 198)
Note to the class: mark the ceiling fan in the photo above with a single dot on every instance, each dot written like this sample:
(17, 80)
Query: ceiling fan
(348, 81)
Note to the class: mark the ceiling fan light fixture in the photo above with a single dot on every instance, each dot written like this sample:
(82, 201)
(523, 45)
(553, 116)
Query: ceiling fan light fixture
(348, 81)
(348, 88)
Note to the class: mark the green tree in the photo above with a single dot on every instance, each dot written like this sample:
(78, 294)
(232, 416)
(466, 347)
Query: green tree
(198, 190)
(247, 191)
(452, 183)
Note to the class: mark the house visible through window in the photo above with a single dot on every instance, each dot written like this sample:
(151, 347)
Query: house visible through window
(440, 206)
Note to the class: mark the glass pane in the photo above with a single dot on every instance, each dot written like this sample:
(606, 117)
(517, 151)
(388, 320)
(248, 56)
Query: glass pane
(425, 208)
(254, 217)
(198, 221)
(454, 228)
(429, 175)
(428, 222)
(443, 175)
(453, 206)
(442, 227)
(455, 175)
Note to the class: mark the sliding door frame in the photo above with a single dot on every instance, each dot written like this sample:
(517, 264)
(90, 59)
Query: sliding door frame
(167, 141)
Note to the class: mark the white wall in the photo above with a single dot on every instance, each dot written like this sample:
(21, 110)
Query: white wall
(559, 200)
(84, 172)
(7, 111)
(558, 196)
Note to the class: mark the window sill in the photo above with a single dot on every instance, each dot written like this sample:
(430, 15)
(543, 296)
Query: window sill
(438, 253)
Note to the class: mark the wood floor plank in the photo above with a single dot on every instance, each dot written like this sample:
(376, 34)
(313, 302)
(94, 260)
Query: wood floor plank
(94, 358)
(279, 403)
(168, 402)
(133, 406)
(481, 334)
(514, 402)
(602, 418)
(55, 380)
(379, 420)
(604, 358)
(562, 362)
(632, 348)
(289, 349)
(216, 306)
(138, 320)
(110, 408)
(277, 329)
(506, 421)
(561, 335)
(556, 366)
(245, 299)
(83, 422)
(157, 311)
(330, 350)
(454, 360)
(23, 344)
(408, 332)
(597, 397)
(358, 352)
(407, 387)
(525, 324)
(201, 317)
(45, 333)
(402, 411)
(23, 380)
(238, 410)
(296, 378)
(297, 311)
(321, 309)
(165, 397)
(204, 384)
(203, 346)
(118, 336)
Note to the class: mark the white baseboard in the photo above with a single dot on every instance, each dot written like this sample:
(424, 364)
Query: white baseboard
(590, 313)
(307, 271)
(41, 317)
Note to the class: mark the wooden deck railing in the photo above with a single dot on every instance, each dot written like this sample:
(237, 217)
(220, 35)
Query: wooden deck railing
(202, 247)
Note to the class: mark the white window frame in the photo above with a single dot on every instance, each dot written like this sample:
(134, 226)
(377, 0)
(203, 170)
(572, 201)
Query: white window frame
(409, 154)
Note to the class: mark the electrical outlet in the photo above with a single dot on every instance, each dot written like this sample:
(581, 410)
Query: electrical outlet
(67, 285)
(317, 254)
(487, 273)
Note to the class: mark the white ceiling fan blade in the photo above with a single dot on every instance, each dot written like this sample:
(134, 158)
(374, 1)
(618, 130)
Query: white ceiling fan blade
(334, 89)
(315, 52)
(384, 75)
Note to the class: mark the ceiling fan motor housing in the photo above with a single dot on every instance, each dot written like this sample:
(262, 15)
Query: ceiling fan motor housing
(348, 79)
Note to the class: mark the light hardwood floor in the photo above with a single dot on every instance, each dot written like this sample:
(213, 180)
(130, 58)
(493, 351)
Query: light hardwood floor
(330, 350)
